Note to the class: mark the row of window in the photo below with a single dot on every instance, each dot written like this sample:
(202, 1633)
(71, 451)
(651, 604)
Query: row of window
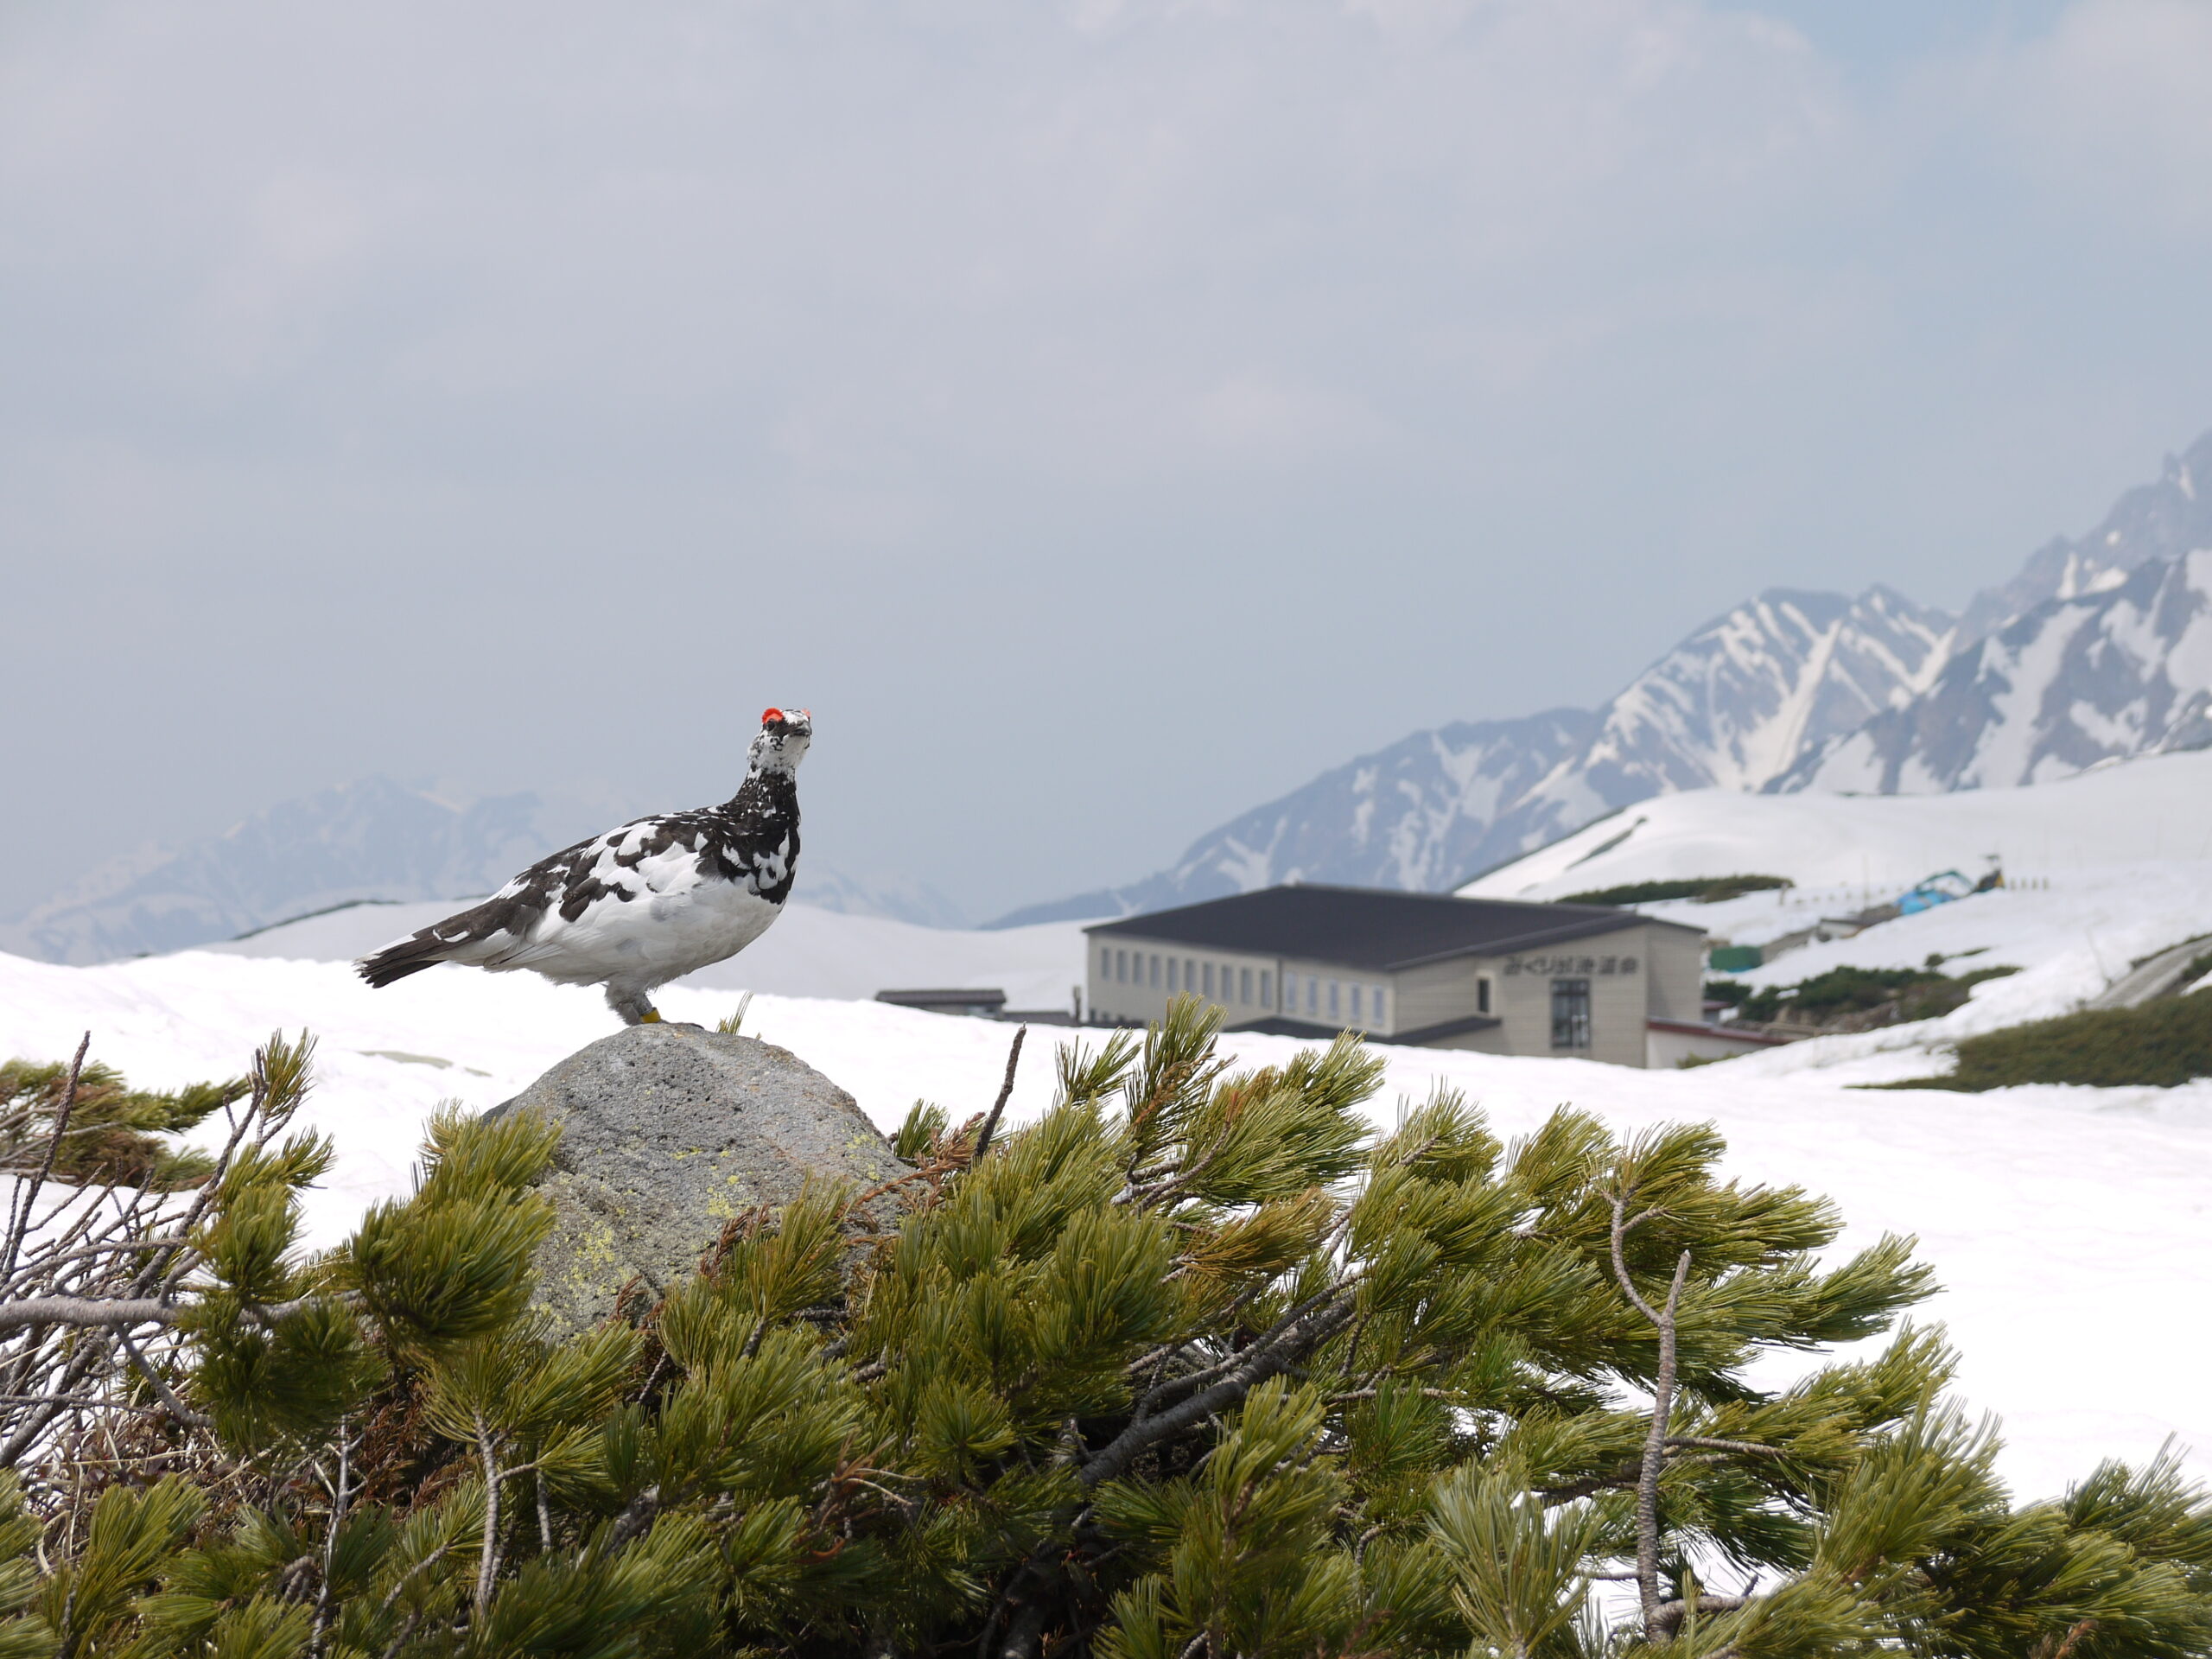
(1317, 998)
(1228, 983)
(1188, 976)
(1362, 1005)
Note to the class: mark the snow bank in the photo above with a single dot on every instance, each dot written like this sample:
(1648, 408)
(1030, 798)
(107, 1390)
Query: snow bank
(2150, 809)
(2106, 869)
(809, 952)
(2069, 1226)
(2070, 941)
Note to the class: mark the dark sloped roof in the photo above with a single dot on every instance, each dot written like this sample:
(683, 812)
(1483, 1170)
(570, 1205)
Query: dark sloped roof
(1372, 927)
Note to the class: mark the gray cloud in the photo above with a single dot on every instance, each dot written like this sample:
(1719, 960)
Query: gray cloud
(1103, 416)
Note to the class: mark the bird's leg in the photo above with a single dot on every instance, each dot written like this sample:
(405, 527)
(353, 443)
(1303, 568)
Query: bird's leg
(633, 1007)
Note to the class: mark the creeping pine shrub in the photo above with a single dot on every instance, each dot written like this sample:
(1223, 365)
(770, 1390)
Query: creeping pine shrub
(1704, 889)
(1197, 1363)
(113, 1131)
(2160, 1044)
(1883, 996)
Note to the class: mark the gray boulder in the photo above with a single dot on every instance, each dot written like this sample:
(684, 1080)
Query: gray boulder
(668, 1132)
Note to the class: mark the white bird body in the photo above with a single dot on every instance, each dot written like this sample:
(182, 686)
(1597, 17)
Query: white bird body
(643, 903)
(688, 920)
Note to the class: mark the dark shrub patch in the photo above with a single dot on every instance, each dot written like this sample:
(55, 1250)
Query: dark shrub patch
(1906, 994)
(1706, 889)
(2160, 1044)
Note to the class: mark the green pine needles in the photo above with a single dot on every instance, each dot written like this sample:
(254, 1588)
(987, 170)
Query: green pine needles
(1197, 1364)
(113, 1131)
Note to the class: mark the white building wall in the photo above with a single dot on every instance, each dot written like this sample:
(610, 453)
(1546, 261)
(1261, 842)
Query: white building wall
(1677, 960)
(1131, 979)
(1613, 966)
(1330, 994)
(1666, 1050)
(1444, 990)
(1636, 973)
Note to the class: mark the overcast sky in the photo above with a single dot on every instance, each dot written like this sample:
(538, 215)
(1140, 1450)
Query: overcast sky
(1104, 415)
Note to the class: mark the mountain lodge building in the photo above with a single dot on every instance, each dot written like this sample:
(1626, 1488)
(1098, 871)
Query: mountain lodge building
(1586, 982)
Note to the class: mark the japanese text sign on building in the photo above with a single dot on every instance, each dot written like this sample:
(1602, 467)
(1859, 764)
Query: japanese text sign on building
(1601, 966)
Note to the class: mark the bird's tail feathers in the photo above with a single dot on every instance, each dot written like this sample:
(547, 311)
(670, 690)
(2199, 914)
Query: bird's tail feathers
(410, 956)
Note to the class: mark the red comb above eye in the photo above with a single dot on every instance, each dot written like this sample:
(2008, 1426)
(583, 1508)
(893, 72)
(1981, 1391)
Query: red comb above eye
(771, 715)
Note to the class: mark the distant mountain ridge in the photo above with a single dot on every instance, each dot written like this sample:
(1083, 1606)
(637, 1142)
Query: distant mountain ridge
(2099, 649)
(2122, 670)
(374, 840)
(1414, 814)
(2159, 520)
(1733, 705)
(1738, 702)
(2089, 654)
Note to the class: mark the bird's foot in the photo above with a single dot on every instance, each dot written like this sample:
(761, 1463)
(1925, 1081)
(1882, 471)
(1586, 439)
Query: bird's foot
(631, 1008)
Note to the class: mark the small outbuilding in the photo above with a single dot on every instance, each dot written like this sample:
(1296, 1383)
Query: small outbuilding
(1587, 981)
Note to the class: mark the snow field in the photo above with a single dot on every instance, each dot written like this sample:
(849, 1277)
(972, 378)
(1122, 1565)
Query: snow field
(2068, 1227)
(2095, 892)
(2143, 810)
(809, 952)
(2070, 941)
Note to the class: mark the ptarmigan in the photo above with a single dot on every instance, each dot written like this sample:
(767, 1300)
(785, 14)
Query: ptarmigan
(642, 905)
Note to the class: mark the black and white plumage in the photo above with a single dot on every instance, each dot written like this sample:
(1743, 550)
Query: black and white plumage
(642, 905)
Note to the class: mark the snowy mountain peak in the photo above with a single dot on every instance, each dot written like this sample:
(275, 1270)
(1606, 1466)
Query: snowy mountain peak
(1418, 815)
(2152, 521)
(2098, 649)
(1733, 705)
(2120, 670)
(1736, 703)
(373, 839)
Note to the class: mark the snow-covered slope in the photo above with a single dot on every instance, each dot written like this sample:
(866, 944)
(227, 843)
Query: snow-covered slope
(2124, 670)
(2149, 809)
(2105, 871)
(2071, 939)
(825, 887)
(1733, 705)
(2075, 1210)
(809, 952)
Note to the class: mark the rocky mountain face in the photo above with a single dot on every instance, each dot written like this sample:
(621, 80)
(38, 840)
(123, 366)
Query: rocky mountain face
(1734, 705)
(1736, 702)
(1418, 815)
(2123, 670)
(2152, 521)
